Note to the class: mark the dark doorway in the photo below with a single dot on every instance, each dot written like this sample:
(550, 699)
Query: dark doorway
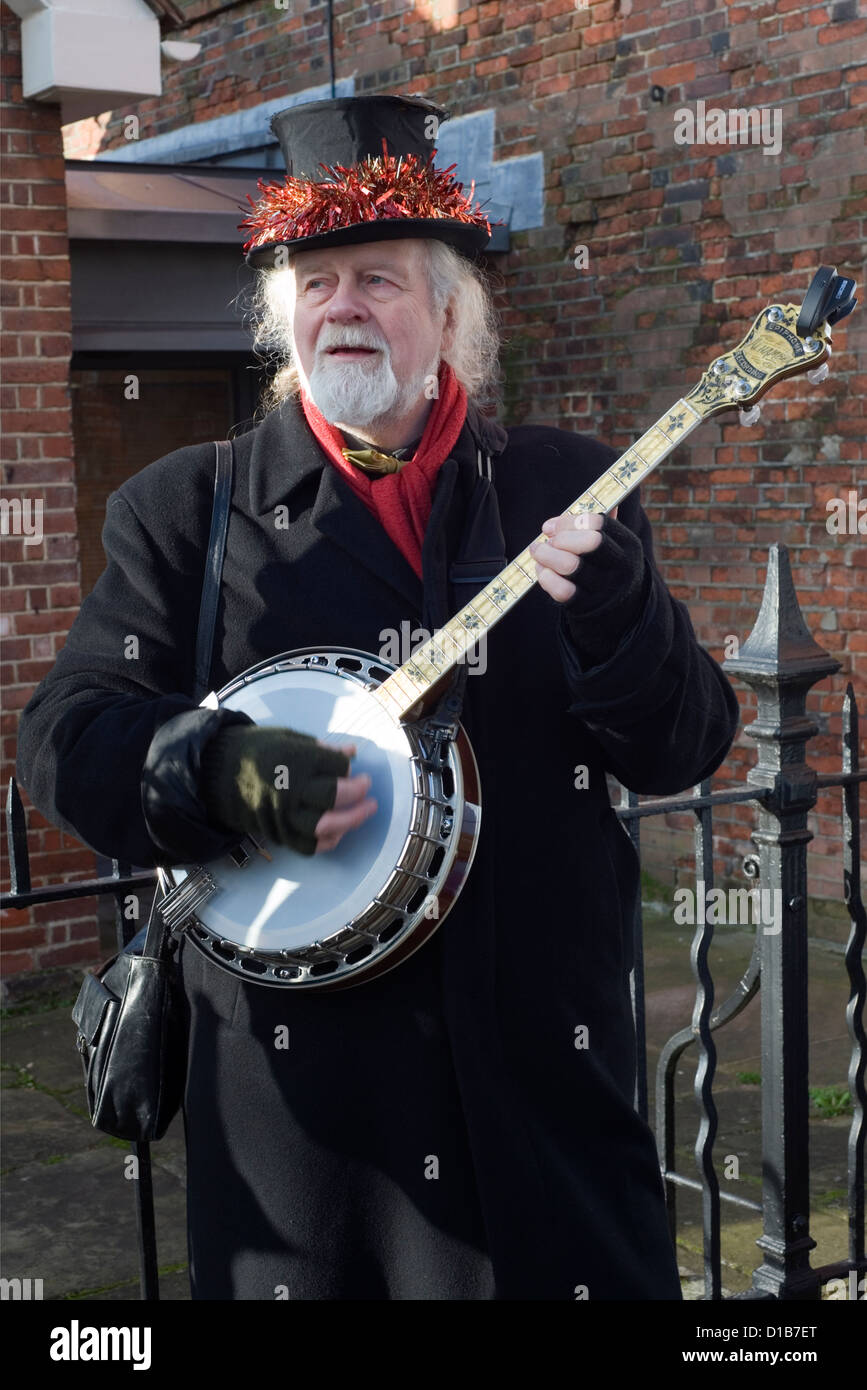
(128, 411)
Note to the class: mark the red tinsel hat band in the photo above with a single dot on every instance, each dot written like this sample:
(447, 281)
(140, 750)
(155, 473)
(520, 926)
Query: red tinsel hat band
(380, 188)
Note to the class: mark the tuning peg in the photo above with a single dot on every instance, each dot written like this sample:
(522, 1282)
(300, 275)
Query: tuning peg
(751, 416)
(818, 374)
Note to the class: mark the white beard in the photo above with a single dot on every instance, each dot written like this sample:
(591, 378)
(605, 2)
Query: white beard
(364, 393)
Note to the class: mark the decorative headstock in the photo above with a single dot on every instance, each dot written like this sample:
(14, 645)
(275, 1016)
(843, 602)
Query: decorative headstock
(784, 340)
(771, 351)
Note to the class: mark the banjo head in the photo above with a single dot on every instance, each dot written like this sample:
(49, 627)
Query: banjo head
(340, 916)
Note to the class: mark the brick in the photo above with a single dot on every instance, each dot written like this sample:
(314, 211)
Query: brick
(87, 932)
(72, 954)
(31, 370)
(49, 194)
(17, 962)
(36, 622)
(37, 421)
(55, 295)
(31, 472)
(25, 167)
(21, 939)
(27, 320)
(16, 649)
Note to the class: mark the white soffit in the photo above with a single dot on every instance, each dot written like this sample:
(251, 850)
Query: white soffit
(88, 56)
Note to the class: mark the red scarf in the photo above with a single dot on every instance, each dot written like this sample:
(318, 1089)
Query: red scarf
(402, 501)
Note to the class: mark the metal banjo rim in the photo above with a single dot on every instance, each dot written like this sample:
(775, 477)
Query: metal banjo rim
(437, 855)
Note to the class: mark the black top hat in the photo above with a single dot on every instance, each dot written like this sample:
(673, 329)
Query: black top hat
(361, 169)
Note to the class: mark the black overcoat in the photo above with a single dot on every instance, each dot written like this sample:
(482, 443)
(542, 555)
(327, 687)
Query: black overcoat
(441, 1132)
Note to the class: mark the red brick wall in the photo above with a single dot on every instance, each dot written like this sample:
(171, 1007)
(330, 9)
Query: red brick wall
(40, 583)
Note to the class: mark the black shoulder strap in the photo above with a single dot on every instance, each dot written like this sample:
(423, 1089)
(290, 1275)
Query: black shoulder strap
(482, 551)
(481, 556)
(214, 566)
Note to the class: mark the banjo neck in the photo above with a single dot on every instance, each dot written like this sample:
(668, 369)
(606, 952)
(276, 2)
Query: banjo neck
(771, 351)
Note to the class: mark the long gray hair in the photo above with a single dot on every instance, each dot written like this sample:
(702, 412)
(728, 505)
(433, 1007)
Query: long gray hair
(474, 352)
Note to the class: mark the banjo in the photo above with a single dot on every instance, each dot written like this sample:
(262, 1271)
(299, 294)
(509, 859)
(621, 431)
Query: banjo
(329, 921)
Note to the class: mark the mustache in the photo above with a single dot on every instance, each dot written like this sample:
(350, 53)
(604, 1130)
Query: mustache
(351, 338)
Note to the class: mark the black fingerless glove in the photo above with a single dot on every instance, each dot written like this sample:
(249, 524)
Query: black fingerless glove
(270, 783)
(611, 587)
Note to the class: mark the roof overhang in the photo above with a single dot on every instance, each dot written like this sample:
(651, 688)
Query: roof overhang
(149, 202)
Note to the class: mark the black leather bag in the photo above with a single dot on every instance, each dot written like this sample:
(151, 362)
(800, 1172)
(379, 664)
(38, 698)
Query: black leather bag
(130, 1024)
(129, 1014)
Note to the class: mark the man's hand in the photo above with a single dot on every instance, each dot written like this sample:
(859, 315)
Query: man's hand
(610, 588)
(570, 538)
(351, 809)
(283, 785)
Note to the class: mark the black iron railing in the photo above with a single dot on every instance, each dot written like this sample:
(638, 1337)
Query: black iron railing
(781, 662)
(120, 882)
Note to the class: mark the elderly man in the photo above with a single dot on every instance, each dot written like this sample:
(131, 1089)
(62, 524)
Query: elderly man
(461, 1127)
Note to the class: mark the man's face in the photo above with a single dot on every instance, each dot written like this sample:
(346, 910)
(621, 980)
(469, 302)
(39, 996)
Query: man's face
(367, 342)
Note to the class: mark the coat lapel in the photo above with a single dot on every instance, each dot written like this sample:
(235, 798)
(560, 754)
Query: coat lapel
(344, 519)
(286, 455)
